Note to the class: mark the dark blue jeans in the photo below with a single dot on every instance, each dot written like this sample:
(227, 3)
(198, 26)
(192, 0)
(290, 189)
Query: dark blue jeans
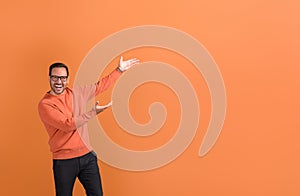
(85, 168)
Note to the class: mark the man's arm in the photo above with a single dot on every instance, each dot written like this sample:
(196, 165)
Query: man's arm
(107, 81)
(55, 118)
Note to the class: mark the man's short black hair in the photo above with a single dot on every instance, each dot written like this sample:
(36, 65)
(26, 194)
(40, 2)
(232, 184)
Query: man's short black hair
(54, 65)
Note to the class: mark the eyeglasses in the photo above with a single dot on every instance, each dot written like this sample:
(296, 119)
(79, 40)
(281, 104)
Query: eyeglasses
(56, 78)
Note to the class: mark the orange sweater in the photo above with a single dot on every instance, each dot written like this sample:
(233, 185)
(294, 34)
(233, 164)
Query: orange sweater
(65, 118)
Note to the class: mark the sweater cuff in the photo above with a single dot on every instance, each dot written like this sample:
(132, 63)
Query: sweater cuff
(91, 114)
(84, 118)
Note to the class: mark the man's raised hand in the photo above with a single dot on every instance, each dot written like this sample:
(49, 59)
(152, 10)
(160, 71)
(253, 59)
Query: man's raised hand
(125, 65)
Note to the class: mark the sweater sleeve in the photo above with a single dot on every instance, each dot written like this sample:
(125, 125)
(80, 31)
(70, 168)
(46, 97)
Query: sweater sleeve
(88, 92)
(107, 81)
(52, 116)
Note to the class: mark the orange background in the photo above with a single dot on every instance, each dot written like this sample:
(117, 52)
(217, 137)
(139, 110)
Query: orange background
(256, 46)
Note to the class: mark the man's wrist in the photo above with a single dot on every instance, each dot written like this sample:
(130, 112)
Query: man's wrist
(120, 69)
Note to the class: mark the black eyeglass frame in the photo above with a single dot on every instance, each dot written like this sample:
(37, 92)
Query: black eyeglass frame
(55, 78)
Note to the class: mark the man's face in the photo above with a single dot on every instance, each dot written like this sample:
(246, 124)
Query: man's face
(58, 80)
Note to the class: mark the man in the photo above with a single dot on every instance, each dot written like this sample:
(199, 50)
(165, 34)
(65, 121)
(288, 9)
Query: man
(63, 113)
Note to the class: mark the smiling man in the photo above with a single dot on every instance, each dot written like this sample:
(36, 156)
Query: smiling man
(63, 113)
(58, 74)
